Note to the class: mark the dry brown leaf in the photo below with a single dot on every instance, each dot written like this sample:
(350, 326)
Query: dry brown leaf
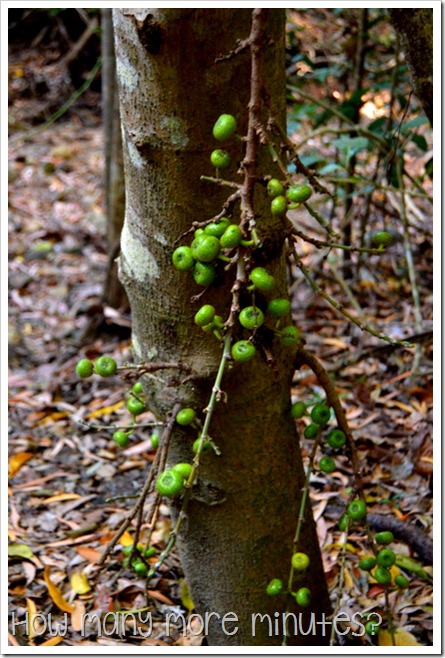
(56, 594)
(90, 554)
(158, 596)
(78, 616)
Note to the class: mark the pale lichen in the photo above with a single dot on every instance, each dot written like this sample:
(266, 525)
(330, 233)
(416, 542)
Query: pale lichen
(135, 156)
(175, 130)
(139, 262)
(127, 74)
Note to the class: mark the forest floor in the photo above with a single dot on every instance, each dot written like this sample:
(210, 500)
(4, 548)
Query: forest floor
(70, 486)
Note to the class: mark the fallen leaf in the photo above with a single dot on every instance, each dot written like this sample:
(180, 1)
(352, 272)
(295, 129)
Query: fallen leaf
(79, 582)
(78, 616)
(56, 594)
(90, 554)
(16, 462)
(31, 610)
(186, 599)
(126, 539)
(52, 642)
(107, 410)
(20, 550)
(402, 638)
(59, 497)
(159, 597)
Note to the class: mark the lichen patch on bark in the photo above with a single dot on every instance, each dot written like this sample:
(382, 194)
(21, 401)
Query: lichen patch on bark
(138, 261)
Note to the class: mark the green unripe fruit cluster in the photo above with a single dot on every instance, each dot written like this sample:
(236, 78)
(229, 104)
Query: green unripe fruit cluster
(138, 388)
(386, 557)
(300, 561)
(385, 537)
(170, 483)
(105, 366)
(205, 315)
(357, 509)
(279, 307)
(204, 273)
(278, 206)
(154, 441)
(261, 279)
(217, 228)
(289, 335)
(303, 597)
(299, 193)
(367, 563)
(231, 237)
(183, 469)
(85, 368)
(224, 127)
(183, 259)
(298, 409)
(139, 568)
(326, 464)
(121, 438)
(401, 581)
(205, 248)
(311, 431)
(320, 414)
(275, 587)
(371, 628)
(135, 406)
(382, 575)
(382, 239)
(275, 188)
(243, 350)
(186, 416)
(336, 438)
(206, 448)
(220, 159)
(251, 317)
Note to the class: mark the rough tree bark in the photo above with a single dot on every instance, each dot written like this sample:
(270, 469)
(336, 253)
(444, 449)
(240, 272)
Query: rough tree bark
(414, 29)
(241, 520)
(114, 294)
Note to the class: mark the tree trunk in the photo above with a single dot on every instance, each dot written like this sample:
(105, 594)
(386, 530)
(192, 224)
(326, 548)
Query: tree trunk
(414, 29)
(114, 294)
(241, 520)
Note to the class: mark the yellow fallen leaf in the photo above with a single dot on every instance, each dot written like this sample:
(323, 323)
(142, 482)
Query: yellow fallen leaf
(107, 410)
(56, 594)
(20, 550)
(185, 595)
(402, 639)
(126, 539)
(79, 582)
(59, 497)
(52, 642)
(16, 462)
(32, 612)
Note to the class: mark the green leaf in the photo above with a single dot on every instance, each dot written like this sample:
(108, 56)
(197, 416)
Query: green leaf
(414, 123)
(328, 168)
(420, 142)
(20, 550)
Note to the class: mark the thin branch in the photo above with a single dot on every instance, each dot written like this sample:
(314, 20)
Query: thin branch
(339, 307)
(155, 467)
